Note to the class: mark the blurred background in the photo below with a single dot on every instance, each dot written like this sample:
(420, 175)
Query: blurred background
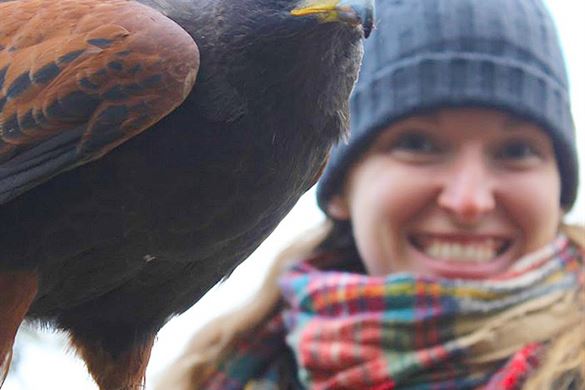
(42, 359)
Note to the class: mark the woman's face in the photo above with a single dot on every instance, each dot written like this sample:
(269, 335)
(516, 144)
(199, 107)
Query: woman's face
(459, 193)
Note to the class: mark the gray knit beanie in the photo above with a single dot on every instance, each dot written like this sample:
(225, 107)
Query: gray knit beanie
(426, 54)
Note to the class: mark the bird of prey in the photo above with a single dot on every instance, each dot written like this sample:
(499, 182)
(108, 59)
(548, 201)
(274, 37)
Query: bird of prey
(148, 146)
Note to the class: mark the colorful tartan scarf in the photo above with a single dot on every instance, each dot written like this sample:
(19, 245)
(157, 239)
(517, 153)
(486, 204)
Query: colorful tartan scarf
(352, 331)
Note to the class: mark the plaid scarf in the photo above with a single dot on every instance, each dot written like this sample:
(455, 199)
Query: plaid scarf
(352, 331)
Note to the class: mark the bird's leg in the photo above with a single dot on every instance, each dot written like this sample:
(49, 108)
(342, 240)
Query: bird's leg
(123, 371)
(17, 291)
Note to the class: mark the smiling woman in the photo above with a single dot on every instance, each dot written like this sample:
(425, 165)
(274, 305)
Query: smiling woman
(444, 261)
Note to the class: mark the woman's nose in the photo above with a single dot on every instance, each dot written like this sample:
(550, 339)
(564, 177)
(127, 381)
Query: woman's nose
(467, 190)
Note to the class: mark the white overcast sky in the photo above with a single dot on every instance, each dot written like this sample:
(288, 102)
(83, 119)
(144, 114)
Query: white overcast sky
(45, 364)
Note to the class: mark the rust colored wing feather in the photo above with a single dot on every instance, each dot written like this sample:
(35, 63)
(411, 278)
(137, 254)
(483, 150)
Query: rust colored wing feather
(80, 77)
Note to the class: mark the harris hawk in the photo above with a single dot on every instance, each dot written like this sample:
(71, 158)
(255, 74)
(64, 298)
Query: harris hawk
(149, 146)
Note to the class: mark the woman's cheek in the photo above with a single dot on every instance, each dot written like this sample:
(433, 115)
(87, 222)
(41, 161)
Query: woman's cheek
(533, 204)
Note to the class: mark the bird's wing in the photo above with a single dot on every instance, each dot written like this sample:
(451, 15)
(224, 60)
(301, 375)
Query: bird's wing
(80, 77)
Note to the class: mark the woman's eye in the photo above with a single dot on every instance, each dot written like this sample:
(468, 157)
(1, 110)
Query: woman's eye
(517, 150)
(415, 142)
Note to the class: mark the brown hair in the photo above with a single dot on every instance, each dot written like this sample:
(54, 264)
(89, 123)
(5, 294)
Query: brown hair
(563, 366)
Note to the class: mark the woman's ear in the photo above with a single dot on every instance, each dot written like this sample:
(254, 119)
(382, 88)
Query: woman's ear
(338, 208)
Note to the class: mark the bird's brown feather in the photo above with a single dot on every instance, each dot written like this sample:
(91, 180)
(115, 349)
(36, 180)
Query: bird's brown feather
(112, 67)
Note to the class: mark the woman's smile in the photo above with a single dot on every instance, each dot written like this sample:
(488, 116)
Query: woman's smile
(461, 255)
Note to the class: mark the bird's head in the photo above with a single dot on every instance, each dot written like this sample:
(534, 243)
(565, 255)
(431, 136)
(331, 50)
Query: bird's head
(252, 49)
(352, 12)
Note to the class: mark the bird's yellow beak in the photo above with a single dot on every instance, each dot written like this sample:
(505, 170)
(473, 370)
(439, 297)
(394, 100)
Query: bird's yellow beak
(325, 8)
(353, 12)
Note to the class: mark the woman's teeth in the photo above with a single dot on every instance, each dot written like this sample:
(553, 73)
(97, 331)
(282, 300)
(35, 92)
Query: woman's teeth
(462, 252)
